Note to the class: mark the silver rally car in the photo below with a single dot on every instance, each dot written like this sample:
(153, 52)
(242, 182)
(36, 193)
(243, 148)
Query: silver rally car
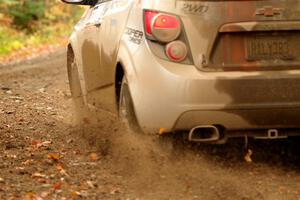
(211, 68)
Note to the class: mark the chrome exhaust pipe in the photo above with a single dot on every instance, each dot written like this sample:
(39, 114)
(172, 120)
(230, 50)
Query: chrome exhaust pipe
(207, 133)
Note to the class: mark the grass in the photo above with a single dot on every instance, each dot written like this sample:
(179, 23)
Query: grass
(10, 40)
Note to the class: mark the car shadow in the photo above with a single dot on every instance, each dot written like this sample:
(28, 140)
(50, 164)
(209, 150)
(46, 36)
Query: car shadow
(273, 90)
(281, 153)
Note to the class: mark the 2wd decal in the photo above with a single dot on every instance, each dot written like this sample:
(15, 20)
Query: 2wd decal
(193, 8)
(135, 36)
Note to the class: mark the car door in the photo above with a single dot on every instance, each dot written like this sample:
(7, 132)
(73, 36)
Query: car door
(91, 47)
(113, 23)
(102, 34)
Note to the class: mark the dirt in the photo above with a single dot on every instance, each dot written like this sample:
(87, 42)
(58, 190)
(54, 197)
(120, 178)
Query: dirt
(44, 156)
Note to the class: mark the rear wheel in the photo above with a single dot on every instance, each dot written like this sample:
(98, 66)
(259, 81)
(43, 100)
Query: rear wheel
(126, 108)
(127, 115)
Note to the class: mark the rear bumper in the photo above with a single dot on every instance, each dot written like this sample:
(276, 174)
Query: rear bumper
(242, 119)
(179, 97)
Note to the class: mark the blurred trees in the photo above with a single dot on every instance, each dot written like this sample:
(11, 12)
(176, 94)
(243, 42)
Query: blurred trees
(31, 23)
(28, 14)
(24, 13)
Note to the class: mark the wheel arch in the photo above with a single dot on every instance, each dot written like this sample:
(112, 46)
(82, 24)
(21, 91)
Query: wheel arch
(125, 66)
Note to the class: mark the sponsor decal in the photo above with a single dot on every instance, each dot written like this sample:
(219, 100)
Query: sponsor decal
(135, 36)
(192, 7)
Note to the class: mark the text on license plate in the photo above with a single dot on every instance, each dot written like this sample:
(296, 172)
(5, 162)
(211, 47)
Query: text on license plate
(268, 48)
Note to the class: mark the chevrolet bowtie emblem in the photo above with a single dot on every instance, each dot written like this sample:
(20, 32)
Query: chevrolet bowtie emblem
(269, 11)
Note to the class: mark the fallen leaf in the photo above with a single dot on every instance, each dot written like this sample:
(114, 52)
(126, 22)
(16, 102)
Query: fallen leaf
(76, 194)
(70, 141)
(93, 157)
(42, 90)
(38, 143)
(90, 184)
(57, 186)
(27, 162)
(38, 175)
(161, 131)
(61, 170)
(54, 156)
(115, 191)
(248, 155)
(46, 143)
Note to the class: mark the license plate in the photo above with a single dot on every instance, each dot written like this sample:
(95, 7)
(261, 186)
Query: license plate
(269, 48)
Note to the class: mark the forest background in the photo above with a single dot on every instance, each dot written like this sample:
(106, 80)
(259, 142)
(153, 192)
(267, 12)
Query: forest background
(28, 27)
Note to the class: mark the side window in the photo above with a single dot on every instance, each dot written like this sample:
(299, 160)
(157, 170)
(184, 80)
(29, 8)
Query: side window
(96, 13)
(84, 18)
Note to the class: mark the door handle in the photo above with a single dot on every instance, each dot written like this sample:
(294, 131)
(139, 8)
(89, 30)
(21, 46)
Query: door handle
(98, 24)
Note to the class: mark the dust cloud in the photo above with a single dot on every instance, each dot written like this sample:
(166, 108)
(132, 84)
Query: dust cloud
(153, 167)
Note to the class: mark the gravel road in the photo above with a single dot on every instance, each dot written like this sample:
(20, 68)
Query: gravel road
(43, 156)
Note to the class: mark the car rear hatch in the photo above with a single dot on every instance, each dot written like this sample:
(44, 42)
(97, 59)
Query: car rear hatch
(242, 35)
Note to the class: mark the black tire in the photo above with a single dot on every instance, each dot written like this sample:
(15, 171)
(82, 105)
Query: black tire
(126, 108)
(75, 88)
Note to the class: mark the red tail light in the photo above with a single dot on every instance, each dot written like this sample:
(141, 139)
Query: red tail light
(163, 27)
(149, 15)
(166, 21)
(176, 51)
(164, 32)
